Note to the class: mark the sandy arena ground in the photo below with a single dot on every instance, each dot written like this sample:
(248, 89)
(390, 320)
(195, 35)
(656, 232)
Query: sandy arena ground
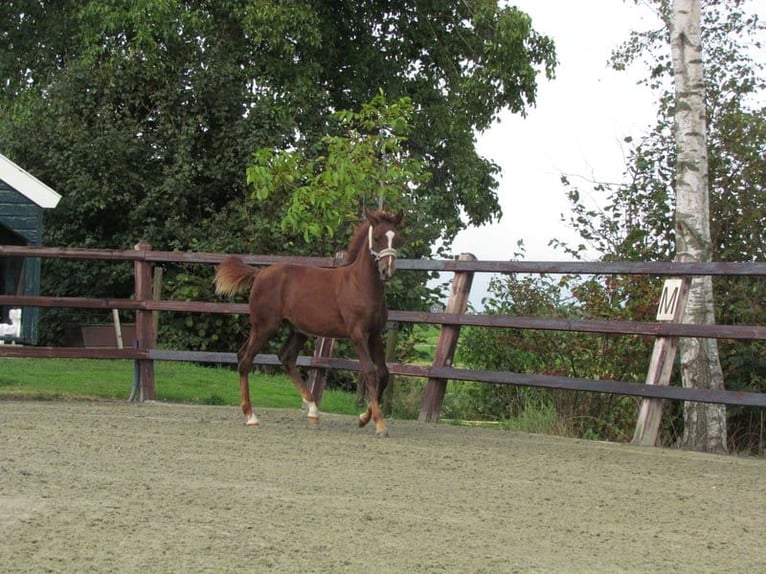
(95, 487)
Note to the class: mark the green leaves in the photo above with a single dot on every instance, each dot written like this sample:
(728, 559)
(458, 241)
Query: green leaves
(162, 103)
(364, 163)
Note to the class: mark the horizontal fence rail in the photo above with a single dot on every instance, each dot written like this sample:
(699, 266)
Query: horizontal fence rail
(658, 268)
(144, 306)
(603, 326)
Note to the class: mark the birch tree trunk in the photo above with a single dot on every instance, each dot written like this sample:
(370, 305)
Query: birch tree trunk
(704, 424)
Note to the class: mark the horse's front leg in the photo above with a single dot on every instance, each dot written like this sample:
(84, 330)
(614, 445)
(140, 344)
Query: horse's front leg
(375, 375)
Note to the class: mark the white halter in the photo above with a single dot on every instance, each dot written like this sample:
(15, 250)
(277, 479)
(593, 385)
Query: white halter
(387, 252)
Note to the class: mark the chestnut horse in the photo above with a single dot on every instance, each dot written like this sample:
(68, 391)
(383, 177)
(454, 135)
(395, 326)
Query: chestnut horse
(346, 302)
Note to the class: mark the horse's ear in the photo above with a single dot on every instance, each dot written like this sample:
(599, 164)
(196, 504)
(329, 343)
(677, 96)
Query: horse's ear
(370, 216)
(398, 218)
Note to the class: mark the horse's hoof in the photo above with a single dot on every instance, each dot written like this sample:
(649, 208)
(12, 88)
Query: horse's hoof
(314, 421)
(252, 421)
(363, 420)
(382, 434)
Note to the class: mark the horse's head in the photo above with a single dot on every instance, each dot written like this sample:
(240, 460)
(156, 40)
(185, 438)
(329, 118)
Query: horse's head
(383, 237)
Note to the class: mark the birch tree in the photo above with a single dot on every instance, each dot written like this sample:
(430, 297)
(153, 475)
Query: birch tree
(637, 220)
(704, 424)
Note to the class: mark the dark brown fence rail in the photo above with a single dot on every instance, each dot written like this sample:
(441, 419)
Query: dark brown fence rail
(146, 352)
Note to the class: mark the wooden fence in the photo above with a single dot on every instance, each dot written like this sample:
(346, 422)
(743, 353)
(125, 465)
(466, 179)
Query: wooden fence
(145, 304)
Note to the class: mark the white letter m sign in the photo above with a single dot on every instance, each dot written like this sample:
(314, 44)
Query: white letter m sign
(670, 299)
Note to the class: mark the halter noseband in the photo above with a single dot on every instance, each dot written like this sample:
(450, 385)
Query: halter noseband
(378, 255)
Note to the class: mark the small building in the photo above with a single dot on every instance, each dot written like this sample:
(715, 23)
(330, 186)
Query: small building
(23, 198)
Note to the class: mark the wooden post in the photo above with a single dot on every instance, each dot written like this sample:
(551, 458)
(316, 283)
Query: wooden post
(447, 343)
(144, 324)
(117, 328)
(318, 377)
(675, 292)
(156, 296)
(392, 337)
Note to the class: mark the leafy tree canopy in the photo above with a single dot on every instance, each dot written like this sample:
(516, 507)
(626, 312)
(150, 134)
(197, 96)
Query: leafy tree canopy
(144, 114)
(365, 165)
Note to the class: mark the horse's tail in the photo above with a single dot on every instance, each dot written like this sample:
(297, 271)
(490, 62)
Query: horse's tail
(232, 275)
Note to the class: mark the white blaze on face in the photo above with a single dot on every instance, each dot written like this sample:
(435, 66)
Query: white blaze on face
(390, 235)
(387, 271)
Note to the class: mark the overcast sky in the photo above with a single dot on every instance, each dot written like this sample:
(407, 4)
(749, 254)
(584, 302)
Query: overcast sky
(577, 128)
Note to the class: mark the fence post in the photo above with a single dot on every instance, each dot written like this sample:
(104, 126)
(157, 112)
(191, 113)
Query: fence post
(156, 296)
(447, 343)
(145, 333)
(392, 338)
(318, 377)
(660, 367)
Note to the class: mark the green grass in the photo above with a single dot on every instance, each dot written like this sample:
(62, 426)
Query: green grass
(174, 382)
(426, 337)
(178, 382)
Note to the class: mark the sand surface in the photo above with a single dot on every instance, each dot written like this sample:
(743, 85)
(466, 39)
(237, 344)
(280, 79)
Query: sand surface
(105, 487)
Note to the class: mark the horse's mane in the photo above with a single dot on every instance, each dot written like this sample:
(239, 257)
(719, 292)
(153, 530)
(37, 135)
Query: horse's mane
(357, 243)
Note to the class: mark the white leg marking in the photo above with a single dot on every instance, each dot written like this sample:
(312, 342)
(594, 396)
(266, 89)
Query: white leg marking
(313, 410)
(252, 420)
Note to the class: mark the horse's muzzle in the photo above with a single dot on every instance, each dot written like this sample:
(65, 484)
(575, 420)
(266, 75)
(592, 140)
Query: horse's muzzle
(387, 267)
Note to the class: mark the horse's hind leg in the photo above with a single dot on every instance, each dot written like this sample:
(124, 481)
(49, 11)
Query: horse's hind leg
(250, 348)
(288, 355)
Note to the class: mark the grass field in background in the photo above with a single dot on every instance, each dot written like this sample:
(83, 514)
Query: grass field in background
(194, 383)
(174, 382)
(426, 337)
